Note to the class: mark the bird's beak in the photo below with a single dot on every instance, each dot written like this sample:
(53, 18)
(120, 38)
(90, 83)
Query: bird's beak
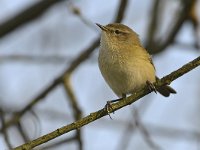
(102, 27)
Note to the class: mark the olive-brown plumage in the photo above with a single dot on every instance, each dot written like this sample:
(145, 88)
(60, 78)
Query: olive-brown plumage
(125, 65)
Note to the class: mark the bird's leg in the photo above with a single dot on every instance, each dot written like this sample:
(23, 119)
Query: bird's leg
(151, 86)
(108, 106)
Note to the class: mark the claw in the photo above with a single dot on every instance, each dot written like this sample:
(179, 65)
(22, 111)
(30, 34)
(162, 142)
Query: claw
(151, 86)
(109, 108)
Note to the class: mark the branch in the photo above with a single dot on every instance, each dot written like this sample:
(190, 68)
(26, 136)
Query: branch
(121, 11)
(59, 143)
(182, 15)
(41, 59)
(144, 132)
(26, 16)
(76, 11)
(116, 106)
(77, 112)
(5, 132)
(82, 57)
(22, 132)
(153, 24)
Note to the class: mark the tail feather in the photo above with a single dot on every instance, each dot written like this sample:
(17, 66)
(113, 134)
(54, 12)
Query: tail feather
(166, 90)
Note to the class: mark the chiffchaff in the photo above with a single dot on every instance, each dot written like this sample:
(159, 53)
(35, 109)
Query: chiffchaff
(125, 65)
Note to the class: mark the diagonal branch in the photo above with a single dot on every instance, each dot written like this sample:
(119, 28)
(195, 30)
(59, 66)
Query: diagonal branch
(58, 143)
(116, 106)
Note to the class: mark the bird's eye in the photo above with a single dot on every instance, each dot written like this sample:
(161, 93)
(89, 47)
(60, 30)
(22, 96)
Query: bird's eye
(117, 31)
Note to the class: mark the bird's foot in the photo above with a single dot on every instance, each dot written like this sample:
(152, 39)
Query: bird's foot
(108, 107)
(151, 87)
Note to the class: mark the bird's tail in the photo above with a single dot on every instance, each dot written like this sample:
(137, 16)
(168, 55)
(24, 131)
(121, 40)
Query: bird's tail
(166, 90)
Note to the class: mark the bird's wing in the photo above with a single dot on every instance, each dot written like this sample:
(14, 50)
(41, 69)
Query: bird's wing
(150, 59)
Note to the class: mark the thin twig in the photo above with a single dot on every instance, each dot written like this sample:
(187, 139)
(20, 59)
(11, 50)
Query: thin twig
(75, 10)
(22, 132)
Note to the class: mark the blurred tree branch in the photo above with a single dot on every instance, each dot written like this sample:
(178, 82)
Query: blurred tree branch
(172, 134)
(132, 127)
(22, 132)
(65, 80)
(153, 24)
(35, 58)
(116, 106)
(136, 124)
(5, 133)
(144, 131)
(121, 11)
(77, 112)
(158, 46)
(193, 18)
(62, 79)
(82, 57)
(183, 15)
(26, 16)
(76, 11)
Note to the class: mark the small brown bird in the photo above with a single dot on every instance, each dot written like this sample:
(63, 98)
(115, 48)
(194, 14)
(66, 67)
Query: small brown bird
(125, 65)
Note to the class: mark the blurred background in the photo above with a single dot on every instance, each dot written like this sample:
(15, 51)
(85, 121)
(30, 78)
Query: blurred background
(49, 74)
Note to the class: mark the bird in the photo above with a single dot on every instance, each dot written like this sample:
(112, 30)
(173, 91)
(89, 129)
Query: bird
(124, 63)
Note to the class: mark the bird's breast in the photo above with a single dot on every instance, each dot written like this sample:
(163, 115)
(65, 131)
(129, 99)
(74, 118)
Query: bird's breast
(124, 72)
